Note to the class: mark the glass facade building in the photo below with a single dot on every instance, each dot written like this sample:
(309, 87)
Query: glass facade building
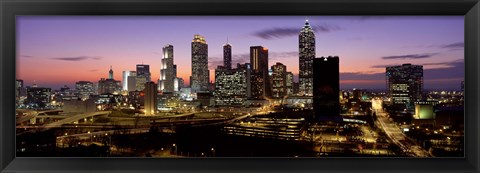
(306, 49)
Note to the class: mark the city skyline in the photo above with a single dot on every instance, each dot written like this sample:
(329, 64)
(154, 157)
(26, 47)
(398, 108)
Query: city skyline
(82, 45)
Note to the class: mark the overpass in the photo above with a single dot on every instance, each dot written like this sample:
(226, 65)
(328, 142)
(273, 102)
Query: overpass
(191, 122)
(75, 118)
(30, 114)
(186, 115)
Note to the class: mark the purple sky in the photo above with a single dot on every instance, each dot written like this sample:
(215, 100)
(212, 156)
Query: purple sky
(60, 50)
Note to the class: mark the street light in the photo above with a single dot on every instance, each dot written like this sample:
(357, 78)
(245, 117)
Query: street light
(175, 149)
(213, 150)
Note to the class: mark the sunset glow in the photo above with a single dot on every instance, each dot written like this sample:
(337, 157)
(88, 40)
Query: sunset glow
(61, 50)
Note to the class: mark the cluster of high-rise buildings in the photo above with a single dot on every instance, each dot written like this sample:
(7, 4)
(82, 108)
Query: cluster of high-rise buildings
(261, 81)
(241, 84)
(234, 84)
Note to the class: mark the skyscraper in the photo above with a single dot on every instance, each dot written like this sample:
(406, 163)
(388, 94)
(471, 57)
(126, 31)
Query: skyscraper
(231, 86)
(84, 89)
(109, 85)
(405, 83)
(289, 83)
(279, 80)
(18, 88)
(260, 84)
(199, 81)
(150, 98)
(126, 82)
(143, 76)
(39, 96)
(167, 70)
(306, 45)
(227, 56)
(110, 73)
(132, 81)
(326, 87)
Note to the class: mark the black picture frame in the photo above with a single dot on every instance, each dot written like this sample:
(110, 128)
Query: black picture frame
(11, 8)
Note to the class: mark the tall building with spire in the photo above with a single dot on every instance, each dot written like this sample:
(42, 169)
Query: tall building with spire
(167, 70)
(199, 81)
(109, 85)
(110, 73)
(227, 56)
(306, 49)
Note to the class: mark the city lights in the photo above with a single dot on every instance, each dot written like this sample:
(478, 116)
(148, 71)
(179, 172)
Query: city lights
(163, 95)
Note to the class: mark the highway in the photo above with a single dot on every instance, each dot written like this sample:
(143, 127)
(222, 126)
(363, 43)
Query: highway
(396, 135)
(30, 114)
(75, 118)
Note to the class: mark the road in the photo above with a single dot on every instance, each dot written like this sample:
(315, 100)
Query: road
(396, 135)
(28, 115)
(75, 118)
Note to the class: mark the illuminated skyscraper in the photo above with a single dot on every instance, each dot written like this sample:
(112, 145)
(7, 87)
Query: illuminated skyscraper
(84, 89)
(167, 70)
(259, 83)
(326, 87)
(289, 83)
(127, 80)
(143, 76)
(306, 55)
(150, 98)
(199, 81)
(405, 83)
(231, 86)
(18, 89)
(227, 56)
(279, 80)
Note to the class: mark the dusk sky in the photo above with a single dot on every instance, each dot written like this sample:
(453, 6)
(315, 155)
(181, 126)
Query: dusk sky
(61, 50)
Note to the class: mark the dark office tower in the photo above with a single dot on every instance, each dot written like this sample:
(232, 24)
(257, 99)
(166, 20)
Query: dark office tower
(109, 86)
(306, 50)
(110, 73)
(39, 96)
(175, 70)
(167, 70)
(199, 81)
(326, 87)
(279, 80)
(150, 98)
(405, 83)
(143, 76)
(227, 56)
(260, 83)
(462, 86)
